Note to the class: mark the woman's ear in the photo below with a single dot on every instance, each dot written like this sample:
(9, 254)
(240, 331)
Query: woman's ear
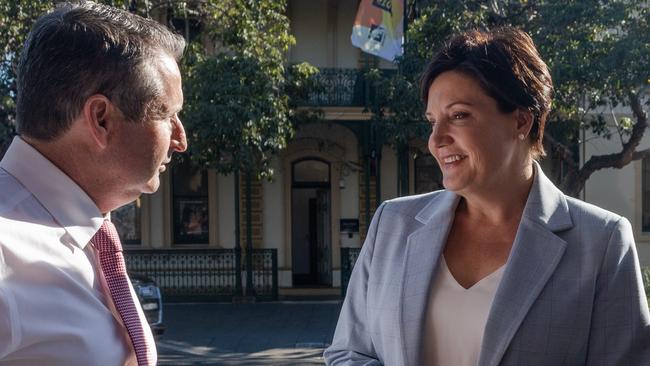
(524, 122)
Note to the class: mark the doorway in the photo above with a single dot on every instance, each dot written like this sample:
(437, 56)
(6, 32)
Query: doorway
(310, 223)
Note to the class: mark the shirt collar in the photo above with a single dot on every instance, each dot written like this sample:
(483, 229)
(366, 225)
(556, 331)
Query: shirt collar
(68, 204)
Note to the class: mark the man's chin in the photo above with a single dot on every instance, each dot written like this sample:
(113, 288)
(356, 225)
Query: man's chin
(151, 186)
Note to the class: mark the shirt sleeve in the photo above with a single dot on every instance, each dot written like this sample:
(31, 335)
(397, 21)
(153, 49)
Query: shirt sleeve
(9, 329)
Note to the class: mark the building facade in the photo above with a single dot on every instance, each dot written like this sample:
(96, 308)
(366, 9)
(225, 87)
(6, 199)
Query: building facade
(330, 178)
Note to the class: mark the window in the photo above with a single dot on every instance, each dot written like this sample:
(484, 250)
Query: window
(127, 219)
(190, 204)
(428, 177)
(645, 194)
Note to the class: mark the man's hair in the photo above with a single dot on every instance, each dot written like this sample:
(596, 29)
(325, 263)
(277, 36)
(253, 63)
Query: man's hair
(83, 49)
(507, 65)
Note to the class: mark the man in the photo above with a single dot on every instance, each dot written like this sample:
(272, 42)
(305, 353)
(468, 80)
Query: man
(99, 90)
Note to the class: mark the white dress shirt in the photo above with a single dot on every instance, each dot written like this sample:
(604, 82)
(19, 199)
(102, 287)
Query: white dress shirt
(53, 305)
(456, 318)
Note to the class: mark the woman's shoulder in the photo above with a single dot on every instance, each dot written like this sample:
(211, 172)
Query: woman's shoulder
(417, 202)
(584, 214)
(580, 207)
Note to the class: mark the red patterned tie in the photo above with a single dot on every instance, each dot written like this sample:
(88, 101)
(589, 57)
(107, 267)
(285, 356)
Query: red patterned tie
(112, 263)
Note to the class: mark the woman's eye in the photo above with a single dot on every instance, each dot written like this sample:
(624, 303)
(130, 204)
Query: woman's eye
(459, 115)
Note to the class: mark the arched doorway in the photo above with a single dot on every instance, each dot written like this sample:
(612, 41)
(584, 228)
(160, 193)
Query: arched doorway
(310, 222)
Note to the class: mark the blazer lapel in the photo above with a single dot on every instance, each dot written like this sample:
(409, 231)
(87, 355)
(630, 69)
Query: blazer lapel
(424, 247)
(536, 252)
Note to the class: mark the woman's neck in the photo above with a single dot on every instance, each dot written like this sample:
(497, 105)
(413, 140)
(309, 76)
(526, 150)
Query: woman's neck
(503, 202)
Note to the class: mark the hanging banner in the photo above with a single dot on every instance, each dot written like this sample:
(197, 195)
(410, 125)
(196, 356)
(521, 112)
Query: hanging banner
(379, 28)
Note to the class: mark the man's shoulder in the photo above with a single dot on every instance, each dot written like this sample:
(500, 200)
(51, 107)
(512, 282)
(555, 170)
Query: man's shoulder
(12, 194)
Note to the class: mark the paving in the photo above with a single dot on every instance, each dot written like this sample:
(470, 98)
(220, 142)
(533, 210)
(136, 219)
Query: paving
(277, 333)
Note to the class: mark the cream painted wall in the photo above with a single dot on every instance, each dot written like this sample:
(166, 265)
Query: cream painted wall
(388, 173)
(619, 190)
(322, 29)
(156, 213)
(348, 56)
(226, 204)
(273, 219)
(156, 217)
(308, 22)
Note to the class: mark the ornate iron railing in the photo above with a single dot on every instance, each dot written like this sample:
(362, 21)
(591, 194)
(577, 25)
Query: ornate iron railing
(348, 259)
(204, 274)
(265, 273)
(338, 87)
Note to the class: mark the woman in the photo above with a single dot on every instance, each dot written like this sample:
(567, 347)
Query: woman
(500, 268)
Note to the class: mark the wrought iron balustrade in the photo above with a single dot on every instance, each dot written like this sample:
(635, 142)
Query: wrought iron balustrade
(265, 273)
(349, 257)
(340, 87)
(204, 274)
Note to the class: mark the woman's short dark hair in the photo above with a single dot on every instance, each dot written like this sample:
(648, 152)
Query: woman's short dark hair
(82, 49)
(507, 65)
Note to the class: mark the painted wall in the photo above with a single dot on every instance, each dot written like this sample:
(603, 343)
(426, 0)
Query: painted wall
(274, 201)
(619, 190)
(388, 173)
(322, 29)
(226, 204)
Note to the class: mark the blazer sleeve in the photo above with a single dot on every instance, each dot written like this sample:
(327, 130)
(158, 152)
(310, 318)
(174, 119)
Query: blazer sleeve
(620, 325)
(352, 343)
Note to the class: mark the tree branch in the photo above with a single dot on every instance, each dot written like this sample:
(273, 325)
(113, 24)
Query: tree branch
(618, 160)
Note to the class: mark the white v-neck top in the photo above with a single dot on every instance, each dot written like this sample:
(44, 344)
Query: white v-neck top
(456, 318)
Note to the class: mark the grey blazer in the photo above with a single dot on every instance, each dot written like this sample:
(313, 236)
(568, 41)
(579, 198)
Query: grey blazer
(571, 293)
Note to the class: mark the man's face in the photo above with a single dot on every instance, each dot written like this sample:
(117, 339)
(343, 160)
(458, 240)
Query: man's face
(145, 147)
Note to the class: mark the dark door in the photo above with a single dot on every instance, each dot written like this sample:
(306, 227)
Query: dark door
(310, 223)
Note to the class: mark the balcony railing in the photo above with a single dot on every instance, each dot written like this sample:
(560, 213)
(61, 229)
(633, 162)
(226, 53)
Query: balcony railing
(338, 87)
(204, 274)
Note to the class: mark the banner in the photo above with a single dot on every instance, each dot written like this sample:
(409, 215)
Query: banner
(379, 28)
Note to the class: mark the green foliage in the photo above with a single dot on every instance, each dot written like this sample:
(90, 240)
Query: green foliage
(598, 53)
(237, 108)
(398, 109)
(240, 99)
(16, 20)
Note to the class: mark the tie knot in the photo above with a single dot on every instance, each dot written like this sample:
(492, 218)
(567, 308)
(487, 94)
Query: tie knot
(106, 238)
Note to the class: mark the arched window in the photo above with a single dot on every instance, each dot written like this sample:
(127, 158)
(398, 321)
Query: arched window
(311, 171)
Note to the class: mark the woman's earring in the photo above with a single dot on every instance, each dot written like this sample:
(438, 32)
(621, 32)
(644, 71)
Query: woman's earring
(521, 136)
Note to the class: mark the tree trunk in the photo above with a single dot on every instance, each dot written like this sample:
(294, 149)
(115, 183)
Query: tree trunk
(575, 180)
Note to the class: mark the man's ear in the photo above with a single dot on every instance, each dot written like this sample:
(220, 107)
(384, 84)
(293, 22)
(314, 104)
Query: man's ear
(99, 116)
(524, 121)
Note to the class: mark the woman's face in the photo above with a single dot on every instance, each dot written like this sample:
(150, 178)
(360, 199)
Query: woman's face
(475, 144)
